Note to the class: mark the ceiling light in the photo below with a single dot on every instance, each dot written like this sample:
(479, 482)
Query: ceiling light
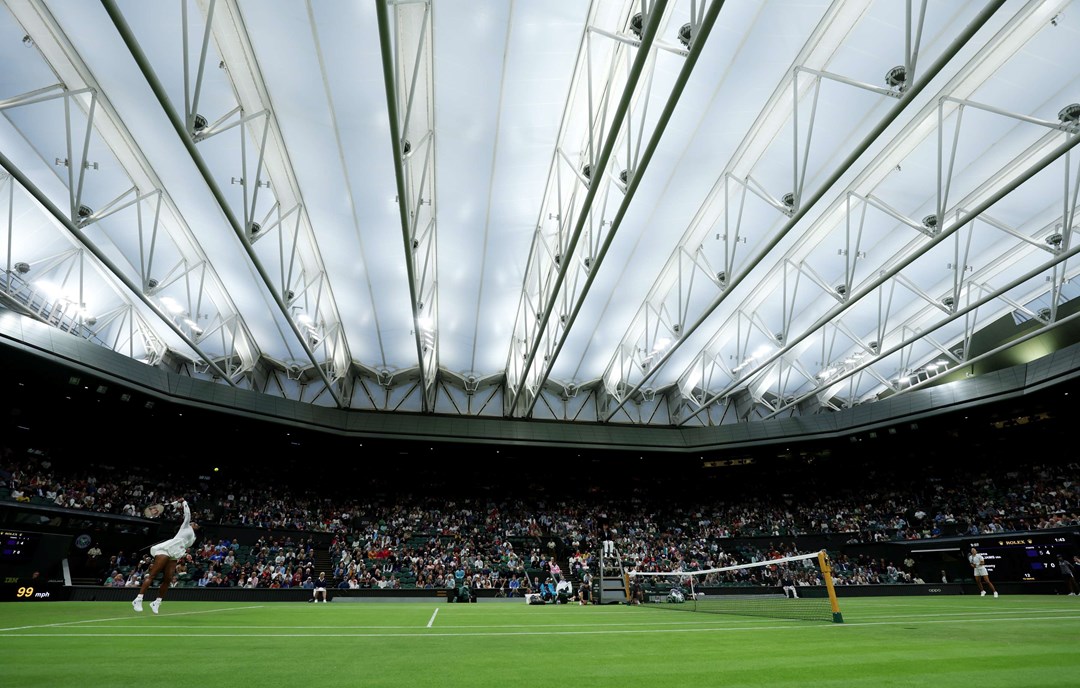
(171, 305)
(50, 289)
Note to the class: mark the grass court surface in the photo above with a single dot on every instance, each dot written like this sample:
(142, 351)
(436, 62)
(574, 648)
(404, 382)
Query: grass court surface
(1014, 641)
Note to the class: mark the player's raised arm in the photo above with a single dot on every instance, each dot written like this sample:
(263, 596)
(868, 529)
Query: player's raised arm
(187, 513)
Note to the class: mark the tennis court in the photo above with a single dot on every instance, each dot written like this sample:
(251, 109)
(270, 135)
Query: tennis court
(1023, 640)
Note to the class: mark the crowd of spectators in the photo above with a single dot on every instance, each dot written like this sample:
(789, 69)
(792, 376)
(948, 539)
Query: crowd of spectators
(886, 504)
(509, 542)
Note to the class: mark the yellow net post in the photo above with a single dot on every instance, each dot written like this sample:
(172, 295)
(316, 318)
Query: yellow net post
(826, 572)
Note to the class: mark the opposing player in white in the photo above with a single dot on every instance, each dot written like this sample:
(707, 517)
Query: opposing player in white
(165, 555)
(978, 562)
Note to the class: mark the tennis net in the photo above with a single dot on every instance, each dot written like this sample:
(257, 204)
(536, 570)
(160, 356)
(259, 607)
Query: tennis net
(795, 587)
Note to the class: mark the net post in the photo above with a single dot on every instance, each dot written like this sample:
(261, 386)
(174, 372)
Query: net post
(826, 572)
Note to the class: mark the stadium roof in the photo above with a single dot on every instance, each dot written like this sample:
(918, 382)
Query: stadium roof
(665, 213)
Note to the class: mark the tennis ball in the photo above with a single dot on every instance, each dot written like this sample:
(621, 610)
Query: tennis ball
(216, 469)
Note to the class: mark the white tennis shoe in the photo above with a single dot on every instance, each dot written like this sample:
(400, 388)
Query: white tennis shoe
(136, 605)
(155, 605)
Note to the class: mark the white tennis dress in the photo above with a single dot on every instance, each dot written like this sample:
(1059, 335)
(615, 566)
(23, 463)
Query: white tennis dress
(977, 561)
(178, 545)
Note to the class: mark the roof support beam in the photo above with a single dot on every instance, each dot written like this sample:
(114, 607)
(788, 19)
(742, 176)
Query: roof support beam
(562, 328)
(183, 132)
(135, 289)
(806, 204)
(518, 376)
(414, 171)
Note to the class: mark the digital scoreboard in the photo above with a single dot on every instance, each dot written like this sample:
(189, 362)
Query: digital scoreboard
(18, 547)
(1030, 557)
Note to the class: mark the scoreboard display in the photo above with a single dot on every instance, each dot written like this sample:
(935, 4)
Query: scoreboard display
(1029, 557)
(18, 547)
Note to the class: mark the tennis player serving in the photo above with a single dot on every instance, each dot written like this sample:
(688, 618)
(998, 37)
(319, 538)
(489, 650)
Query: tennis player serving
(165, 555)
(978, 563)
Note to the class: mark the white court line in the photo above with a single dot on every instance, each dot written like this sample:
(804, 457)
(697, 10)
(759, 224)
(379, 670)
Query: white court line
(432, 619)
(1001, 615)
(475, 626)
(721, 629)
(122, 618)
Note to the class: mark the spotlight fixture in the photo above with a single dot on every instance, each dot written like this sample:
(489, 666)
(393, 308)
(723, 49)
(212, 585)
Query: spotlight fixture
(686, 35)
(896, 77)
(1070, 114)
(637, 24)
